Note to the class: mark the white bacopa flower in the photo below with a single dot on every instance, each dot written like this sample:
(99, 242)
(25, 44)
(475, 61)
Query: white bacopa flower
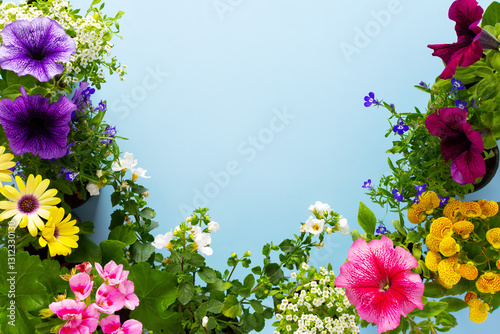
(163, 240)
(136, 172)
(127, 162)
(323, 209)
(93, 188)
(314, 226)
(202, 242)
(213, 226)
(343, 226)
(204, 322)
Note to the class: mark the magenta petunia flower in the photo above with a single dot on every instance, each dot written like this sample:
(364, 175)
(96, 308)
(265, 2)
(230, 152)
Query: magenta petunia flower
(33, 124)
(379, 282)
(35, 48)
(459, 143)
(468, 49)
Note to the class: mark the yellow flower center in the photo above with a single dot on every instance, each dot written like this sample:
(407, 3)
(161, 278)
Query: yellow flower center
(315, 227)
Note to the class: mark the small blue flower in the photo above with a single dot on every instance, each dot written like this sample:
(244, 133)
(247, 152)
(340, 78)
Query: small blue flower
(101, 107)
(367, 184)
(420, 189)
(456, 85)
(461, 104)
(398, 194)
(381, 229)
(400, 128)
(69, 175)
(443, 200)
(423, 84)
(370, 99)
(110, 131)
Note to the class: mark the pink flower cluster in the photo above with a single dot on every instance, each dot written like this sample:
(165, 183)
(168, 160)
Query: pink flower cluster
(114, 294)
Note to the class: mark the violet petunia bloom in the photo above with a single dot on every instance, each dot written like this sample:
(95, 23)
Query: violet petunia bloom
(33, 124)
(379, 282)
(459, 143)
(36, 48)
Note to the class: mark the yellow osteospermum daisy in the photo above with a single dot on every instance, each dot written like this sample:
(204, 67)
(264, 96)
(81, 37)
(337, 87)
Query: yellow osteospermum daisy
(488, 208)
(59, 233)
(493, 237)
(6, 163)
(29, 203)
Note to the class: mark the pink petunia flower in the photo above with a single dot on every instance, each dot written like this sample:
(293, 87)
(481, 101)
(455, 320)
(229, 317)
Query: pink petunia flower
(459, 143)
(379, 282)
(108, 299)
(127, 290)
(79, 319)
(471, 39)
(112, 274)
(111, 325)
(81, 285)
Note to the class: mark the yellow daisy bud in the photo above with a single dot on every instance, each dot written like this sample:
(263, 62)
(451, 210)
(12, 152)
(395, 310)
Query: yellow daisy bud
(468, 271)
(441, 227)
(432, 242)
(448, 246)
(493, 237)
(452, 209)
(429, 201)
(448, 270)
(470, 209)
(416, 215)
(432, 260)
(488, 208)
(478, 311)
(469, 296)
(488, 283)
(464, 228)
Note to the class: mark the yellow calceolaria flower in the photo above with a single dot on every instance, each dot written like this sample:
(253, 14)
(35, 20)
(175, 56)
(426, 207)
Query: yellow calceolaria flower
(448, 270)
(416, 215)
(6, 163)
(488, 283)
(452, 210)
(498, 264)
(432, 242)
(470, 209)
(432, 260)
(441, 227)
(429, 201)
(493, 237)
(478, 310)
(488, 208)
(444, 284)
(468, 271)
(448, 246)
(469, 296)
(59, 233)
(464, 228)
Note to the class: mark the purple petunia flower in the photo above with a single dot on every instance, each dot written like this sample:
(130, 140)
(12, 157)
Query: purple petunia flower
(468, 49)
(443, 200)
(36, 48)
(367, 184)
(33, 124)
(110, 132)
(400, 128)
(370, 99)
(459, 143)
(398, 194)
(381, 229)
(461, 104)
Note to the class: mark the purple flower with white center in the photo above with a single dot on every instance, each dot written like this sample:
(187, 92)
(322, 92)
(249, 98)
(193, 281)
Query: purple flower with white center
(461, 104)
(423, 84)
(370, 99)
(443, 200)
(37, 48)
(400, 128)
(82, 94)
(33, 124)
(456, 85)
(101, 107)
(110, 132)
(367, 184)
(381, 229)
(398, 194)
(420, 189)
(69, 175)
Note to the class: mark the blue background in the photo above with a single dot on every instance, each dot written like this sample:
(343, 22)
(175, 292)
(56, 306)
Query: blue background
(205, 84)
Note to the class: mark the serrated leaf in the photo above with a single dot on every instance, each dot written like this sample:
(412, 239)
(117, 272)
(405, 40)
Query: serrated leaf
(185, 292)
(124, 234)
(208, 275)
(214, 306)
(232, 307)
(141, 252)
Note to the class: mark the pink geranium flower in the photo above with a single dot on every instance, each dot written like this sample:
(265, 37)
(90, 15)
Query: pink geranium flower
(84, 267)
(459, 143)
(379, 282)
(127, 290)
(81, 285)
(111, 325)
(79, 319)
(108, 299)
(471, 39)
(112, 274)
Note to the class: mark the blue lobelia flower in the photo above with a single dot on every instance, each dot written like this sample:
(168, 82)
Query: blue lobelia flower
(398, 194)
(461, 104)
(456, 85)
(400, 128)
(381, 229)
(367, 184)
(370, 99)
(37, 48)
(110, 132)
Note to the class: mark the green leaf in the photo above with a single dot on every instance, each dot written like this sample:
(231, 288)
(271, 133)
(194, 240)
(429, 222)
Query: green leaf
(454, 304)
(200, 312)
(51, 279)
(256, 305)
(274, 272)
(87, 251)
(124, 234)
(249, 281)
(434, 290)
(113, 250)
(141, 252)
(117, 219)
(232, 307)
(208, 275)
(366, 219)
(119, 14)
(156, 291)
(85, 227)
(219, 285)
(185, 292)
(12, 78)
(355, 235)
(214, 306)
(139, 189)
(11, 92)
(287, 246)
(431, 309)
(115, 198)
(492, 15)
(399, 226)
(147, 213)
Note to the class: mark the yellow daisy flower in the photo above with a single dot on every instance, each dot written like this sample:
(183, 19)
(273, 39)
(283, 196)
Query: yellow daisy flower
(59, 233)
(6, 163)
(29, 203)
